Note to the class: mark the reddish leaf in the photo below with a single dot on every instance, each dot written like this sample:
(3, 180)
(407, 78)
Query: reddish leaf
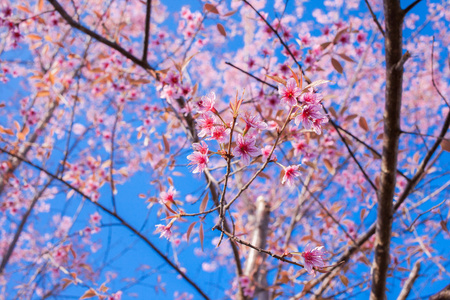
(363, 124)
(445, 144)
(211, 8)
(345, 57)
(204, 202)
(277, 79)
(344, 280)
(200, 234)
(89, 294)
(329, 166)
(34, 37)
(188, 233)
(230, 13)
(221, 29)
(337, 65)
(166, 144)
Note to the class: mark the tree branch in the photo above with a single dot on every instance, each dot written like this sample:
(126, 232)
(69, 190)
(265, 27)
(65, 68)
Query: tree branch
(102, 40)
(374, 17)
(117, 217)
(409, 7)
(410, 281)
(147, 29)
(388, 172)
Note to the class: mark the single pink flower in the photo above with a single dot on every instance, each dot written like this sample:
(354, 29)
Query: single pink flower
(165, 230)
(253, 121)
(206, 103)
(314, 258)
(290, 173)
(266, 151)
(311, 97)
(311, 117)
(290, 92)
(168, 197)
(245, 149)
(220, 134)
(206, 124)
(199, 160)
(201, 147)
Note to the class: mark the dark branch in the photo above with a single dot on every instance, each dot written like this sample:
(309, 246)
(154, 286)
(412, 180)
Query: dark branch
(407, 9)
(374, 17)
(147, 29)
(102, 40)
(116, 216)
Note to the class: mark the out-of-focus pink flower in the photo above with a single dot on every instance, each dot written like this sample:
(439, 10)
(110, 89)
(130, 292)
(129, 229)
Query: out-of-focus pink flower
(311, 97)
(245, 149)
(165, 230)
(206, 124)
(116, 296)
(201, 147)
(266, 151)
(290, 173)
(314, 258)
(199, 158)
(168, 197)
(311, 117)
(220, 134)
(253, 121)
(206, 103)
(290, 92)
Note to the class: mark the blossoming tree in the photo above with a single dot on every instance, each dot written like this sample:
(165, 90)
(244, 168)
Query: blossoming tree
(244, 149)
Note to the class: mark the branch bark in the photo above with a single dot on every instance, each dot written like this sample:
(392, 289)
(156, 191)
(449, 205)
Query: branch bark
(410, 281)
(394, 78)
(259, 238)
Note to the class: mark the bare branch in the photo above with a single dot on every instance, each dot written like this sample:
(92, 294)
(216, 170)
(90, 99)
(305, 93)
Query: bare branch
(432, 74)
(374, 17)
(103, 40)
(410, 281)
(147, 29)
(409, 7)
(117, 217)
(388, 172)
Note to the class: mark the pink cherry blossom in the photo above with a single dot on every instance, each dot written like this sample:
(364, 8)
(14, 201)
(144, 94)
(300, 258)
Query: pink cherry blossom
(266, 151)
(220, 134)
(201, 147)
(199, 158)
(290, 173)
(290, 92)
(314, 258)
(168, 197)
(311, 97)
(206, 103)
(245, 149)
(165, 230)
(253, 121)
(311, 117)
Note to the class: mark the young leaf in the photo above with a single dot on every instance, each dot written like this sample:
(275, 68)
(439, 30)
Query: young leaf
(204, 202)
(337, 65)
(347, 58)
(188, 233)
(230, 13)
(221, 29)
(445, 144)
(211, 8)
(166, 144)
(277, 79)
(89, 294)
(200, 234)
(363, 124)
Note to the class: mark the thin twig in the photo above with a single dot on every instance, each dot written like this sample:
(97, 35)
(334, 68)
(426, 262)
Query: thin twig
(147, 30)
(374, 17)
